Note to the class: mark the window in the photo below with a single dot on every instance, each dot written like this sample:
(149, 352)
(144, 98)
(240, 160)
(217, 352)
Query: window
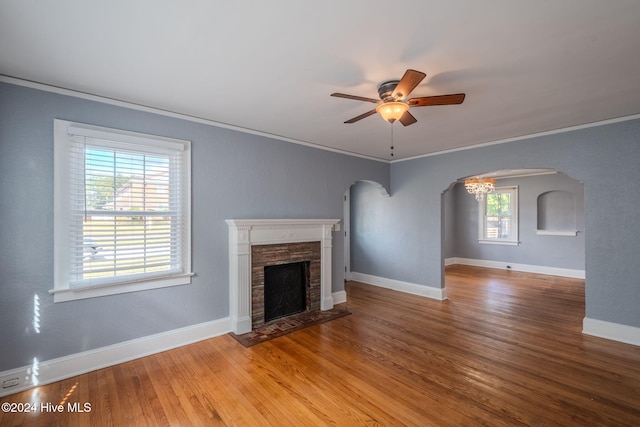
(122, 211)
(499, 217)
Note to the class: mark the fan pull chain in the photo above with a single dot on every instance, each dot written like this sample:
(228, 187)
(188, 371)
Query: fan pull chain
(392, 140)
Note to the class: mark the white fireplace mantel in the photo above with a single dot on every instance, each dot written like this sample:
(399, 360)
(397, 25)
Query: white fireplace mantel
(243, 233)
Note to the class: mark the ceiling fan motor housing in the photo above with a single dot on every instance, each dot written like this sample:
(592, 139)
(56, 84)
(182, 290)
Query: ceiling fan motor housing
(386, 88)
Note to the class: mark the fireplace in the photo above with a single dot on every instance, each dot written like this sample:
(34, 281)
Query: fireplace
(256, 244)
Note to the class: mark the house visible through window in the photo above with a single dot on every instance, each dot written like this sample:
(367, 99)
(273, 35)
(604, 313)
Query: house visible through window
(499, 217)
(122, 211)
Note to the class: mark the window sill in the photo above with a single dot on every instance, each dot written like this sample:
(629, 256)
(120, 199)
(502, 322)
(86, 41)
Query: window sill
(557, 232)
(62, 295)
(499, 242)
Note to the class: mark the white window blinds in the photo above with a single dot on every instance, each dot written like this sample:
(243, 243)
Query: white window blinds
(127, 208)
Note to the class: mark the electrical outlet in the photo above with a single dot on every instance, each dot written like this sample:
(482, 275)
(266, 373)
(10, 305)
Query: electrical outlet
(11, 382)
(14, 379)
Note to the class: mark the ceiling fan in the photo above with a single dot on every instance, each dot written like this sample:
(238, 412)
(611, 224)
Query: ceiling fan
(392, 94)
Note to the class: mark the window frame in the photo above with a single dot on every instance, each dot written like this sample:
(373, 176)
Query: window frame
(63, 243)
(513, 240)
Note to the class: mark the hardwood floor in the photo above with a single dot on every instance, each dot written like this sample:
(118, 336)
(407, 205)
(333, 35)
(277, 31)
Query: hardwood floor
(506, 349)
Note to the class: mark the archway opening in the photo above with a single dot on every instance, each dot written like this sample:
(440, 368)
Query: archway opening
(550, 225)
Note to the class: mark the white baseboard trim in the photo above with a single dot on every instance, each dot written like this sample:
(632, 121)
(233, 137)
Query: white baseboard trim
(611, 331)
(526, 268)
(450, 261)
(339, 297)
(49, 371)
(397, 285)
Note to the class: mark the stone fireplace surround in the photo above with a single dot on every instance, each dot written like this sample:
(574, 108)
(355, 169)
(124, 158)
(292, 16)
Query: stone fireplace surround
(245, 233)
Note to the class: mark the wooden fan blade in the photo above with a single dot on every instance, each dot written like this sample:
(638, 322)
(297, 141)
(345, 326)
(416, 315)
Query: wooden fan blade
(407, 119)
(357, 98)
(361, 116)
(407, 84)
(427, 101)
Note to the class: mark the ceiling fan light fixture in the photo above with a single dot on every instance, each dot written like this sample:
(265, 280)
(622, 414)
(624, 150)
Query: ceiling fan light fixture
(392, 111)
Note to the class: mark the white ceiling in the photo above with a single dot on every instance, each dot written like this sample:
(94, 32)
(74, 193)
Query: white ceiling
(526, 66)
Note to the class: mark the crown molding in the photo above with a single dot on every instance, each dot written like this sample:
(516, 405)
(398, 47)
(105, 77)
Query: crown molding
(527, 136)
(124, 104)
(195, 119)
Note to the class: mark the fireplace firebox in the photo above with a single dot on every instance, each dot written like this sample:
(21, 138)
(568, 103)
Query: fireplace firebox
(285, 289)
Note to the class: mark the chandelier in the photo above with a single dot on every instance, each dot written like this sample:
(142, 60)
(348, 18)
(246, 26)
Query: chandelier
(479, 186)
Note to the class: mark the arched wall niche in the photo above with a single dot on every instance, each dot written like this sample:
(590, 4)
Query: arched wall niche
(556, 212)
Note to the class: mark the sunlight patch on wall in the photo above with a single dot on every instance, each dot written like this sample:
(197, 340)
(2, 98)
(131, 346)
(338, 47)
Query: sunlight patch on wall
(36, 313)
(33, 372)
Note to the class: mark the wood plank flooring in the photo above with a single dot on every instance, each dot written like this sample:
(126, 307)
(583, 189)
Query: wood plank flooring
(506, 349)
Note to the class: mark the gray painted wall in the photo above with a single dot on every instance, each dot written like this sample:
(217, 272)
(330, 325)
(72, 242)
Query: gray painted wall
(604, 158)
(547, 251)
(450, 220)
(234, 175)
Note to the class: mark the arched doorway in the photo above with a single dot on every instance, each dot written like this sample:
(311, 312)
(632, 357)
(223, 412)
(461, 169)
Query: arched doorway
(538, 249)
(377, 189)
